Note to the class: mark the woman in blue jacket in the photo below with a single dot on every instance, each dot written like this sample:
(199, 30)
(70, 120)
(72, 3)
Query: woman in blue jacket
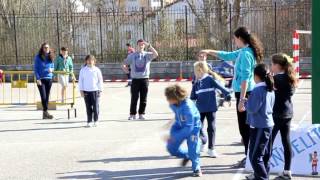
(250, 53)
(43, 71)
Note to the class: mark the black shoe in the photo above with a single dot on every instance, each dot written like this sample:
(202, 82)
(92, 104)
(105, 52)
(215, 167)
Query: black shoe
(240, 164)
(184, 162)
(46, 115)
(197, 173)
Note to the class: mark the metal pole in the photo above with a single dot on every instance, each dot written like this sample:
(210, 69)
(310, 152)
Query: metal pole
(73, 35)
(186, 29)
(275, 27)
(101, 45)
(106, 27)
(15, 38)
(142, 11)
(315, 62)
(45, 22)
(58, 34)
(230, 27)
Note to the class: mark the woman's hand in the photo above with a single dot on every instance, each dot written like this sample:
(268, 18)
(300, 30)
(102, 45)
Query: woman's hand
(241, 107)
(209, 51)
(82, 93)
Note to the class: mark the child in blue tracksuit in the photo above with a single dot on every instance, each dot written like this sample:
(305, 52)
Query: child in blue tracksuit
(187, 126)
(260, 108)
(204, 93)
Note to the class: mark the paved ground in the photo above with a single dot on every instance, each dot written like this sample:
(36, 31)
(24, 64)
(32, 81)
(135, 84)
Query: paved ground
(32, 148)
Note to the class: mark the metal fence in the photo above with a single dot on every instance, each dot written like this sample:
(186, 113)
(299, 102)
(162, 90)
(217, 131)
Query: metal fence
(177, 32)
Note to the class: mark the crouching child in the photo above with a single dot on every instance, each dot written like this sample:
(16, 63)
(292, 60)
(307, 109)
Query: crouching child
(186, 126)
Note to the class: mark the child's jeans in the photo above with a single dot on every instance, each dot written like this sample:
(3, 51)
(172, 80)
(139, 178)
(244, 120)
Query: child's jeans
(92, 105)
(260, 152)
(193, 151)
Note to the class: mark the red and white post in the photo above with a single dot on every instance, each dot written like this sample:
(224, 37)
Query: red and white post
(296, 47)
(295, 42)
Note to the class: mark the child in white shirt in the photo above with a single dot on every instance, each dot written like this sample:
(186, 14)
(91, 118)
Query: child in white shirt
(91, 86)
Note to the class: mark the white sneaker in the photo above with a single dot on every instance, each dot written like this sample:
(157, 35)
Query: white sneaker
(95, 124)
(132, 117)
(212, 153)
(89, 125)
(250, 177)
(202, 147)
(285, 175)
(141, 117)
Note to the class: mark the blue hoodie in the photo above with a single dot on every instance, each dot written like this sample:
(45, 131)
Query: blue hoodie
(204, 93)
(244, 65)
(260, 107)
(42, 66)
(187, 119)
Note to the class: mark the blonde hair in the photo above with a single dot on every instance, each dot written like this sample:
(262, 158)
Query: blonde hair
(202, 67)
(176, 92)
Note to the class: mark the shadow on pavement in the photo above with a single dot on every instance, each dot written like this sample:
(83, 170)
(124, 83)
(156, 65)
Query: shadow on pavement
(127, 159)
(18, 120)
(233, 153)
(144, 174)
(40, 129)
(232, 144)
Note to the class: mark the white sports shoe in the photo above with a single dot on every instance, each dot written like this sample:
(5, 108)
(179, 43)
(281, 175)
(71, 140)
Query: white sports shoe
(141, 117)
(212, 153)
(285, 175)
(132, 117)
(89, 125)
(95, 124)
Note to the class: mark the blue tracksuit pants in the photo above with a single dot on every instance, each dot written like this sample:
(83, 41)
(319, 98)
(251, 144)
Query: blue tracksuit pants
(193, 151)
(260, 151)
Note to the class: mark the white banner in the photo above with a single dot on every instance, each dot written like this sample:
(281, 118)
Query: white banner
(305, 142)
